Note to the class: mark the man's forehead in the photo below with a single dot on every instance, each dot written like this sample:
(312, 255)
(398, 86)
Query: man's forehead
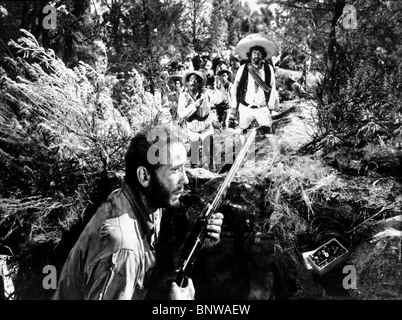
(168, 146)
(176, 149)
(175, 154)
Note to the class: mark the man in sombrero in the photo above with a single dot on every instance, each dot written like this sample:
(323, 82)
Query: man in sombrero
(254, 94)
(194, 112)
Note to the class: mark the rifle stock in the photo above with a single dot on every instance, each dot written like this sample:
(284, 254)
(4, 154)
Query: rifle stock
(198, 235)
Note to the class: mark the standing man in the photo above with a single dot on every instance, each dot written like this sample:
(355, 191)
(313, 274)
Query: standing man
(188, 63)
(114, 257)
(220, 64)
(175, 81)
(224, 86)
(254, 94)
(234, 65)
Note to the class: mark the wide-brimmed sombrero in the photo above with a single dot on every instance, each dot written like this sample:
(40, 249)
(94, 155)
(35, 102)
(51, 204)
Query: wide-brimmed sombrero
(198, 73)
(175, 77)
(219, 73)
(256, 39)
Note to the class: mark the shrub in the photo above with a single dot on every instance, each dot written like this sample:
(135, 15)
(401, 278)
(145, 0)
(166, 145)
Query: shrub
(62, 145)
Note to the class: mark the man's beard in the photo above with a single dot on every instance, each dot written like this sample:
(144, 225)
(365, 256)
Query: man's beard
(159, 195)
(256, 61)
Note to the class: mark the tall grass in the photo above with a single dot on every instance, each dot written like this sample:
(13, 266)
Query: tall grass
(62, 144)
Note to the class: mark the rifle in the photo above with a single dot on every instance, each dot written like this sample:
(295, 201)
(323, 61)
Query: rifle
(197, 238)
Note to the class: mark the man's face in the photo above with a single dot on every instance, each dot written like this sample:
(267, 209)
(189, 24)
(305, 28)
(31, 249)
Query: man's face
(256, 56)
(177, 85)
(208, 65)
(193, 82)
(224, 77)
(171, 85)
(167, 183)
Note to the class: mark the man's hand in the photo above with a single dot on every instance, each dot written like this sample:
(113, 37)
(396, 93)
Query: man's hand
(199, 102)
(213, 230)
(186, 293)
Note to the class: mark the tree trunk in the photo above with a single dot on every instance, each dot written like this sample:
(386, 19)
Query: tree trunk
(147, 36)
(333, 46)
(115, 14)
(194, 28)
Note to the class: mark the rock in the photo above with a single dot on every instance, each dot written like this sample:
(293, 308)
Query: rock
(299, 126)
(379, 264)
(282, 75)
(288, 62)
(392, 229)
(313, 77)
(393, 222)
(201, 173)
(387, 233)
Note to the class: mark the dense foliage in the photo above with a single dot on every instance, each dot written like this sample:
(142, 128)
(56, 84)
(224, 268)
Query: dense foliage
(66, 116)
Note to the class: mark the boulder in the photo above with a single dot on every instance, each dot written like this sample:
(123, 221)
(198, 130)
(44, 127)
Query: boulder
(314, 77)
(379, 263)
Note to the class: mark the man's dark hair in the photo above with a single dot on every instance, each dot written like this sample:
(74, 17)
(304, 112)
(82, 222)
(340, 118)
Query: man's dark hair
(137, 153)
(262, 49)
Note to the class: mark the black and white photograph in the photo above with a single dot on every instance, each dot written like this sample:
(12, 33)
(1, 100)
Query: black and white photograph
(219, 151)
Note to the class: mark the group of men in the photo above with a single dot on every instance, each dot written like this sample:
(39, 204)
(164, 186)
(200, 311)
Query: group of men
(216, 77)
(116, 253)
(207, 96)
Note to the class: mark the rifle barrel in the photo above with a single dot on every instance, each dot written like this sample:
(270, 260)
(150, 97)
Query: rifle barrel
(200, 233)
(226, 183)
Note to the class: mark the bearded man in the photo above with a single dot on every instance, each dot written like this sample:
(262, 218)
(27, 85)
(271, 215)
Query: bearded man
(254, 94)
(195, 116)
(115, 254)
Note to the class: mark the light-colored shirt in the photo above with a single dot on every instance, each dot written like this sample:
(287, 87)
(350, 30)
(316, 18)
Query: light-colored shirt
(186, 107)
(223, 94)
(255, 94)
(114, 255)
